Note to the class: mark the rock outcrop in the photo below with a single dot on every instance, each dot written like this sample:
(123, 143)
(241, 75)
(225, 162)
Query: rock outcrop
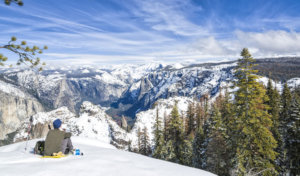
(16, 107)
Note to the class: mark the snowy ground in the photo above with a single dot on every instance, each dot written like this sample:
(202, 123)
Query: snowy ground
(99, 159)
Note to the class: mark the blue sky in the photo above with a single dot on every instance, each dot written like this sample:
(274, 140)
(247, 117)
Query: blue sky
(138, 31)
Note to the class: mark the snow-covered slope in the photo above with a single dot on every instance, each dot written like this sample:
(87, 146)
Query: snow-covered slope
(147, 118)
(99, 159)
(92, 122)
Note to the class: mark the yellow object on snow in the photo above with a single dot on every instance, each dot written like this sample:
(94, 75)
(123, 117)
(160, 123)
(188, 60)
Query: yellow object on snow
(55, 155)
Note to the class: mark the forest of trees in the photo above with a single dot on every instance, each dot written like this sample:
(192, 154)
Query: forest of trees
(251, 131)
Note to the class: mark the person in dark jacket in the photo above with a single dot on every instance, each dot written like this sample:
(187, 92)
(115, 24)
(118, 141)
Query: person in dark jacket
(57, 140)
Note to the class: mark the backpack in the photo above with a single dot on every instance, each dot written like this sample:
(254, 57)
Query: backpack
(39, 148)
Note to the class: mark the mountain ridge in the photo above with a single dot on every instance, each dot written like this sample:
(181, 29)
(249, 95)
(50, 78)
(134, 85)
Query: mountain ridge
(127, 90)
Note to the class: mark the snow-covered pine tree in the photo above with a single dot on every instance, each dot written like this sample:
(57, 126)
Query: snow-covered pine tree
(198, 158)
(158, 137)
(254, 141)
(216, 148)
(139, 140)
(145, 142)
(292, 140)
(273, 102)
(286, 99)
(165, 126)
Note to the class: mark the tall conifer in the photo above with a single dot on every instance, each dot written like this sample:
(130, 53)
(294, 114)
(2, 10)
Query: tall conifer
(292, 140)
(176, 135)
(158, 137)
(253, 139)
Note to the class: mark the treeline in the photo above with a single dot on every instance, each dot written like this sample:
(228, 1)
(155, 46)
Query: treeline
(252, 131)
(279, 69)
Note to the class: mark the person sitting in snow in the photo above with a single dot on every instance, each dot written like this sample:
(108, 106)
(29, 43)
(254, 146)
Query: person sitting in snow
(57, 140)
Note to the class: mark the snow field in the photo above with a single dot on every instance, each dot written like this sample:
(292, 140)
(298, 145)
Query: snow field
(99, 158)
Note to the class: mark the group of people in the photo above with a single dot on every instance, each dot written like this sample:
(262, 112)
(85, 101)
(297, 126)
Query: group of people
(58, 140)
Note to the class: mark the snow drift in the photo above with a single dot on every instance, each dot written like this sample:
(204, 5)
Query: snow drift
(99, 158)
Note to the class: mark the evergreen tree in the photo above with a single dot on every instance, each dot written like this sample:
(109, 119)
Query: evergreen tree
(273, 102)
(292, 140)
(228, 123)
(198, 158)
(199, 115)
(158, 138)
(190, 120)
(139, 140)
(169, 151)
(165, 126)
(216, 149)
(253, 139)
(286, 99)
(176, 135)
(145, 144)
(187, 152)
(129, 146)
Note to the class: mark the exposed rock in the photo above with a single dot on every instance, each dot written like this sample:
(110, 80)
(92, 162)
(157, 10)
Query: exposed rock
(16, 106)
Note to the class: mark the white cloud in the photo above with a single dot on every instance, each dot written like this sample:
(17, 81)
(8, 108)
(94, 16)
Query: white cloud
(270, 43)
(168, 16)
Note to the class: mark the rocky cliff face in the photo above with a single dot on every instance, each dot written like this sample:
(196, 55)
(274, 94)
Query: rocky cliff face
(187, 82)
(69, 87)
(16, 106)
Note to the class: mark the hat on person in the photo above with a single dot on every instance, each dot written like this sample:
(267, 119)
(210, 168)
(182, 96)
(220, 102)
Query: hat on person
(57, 123)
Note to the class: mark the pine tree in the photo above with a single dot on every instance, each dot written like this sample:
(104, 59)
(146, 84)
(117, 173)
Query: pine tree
(176, 135)
(292, 140)
(187, 152)
(139, 140)
(216, 155)
(129, 146)
(190, 120)
(198, 158)
(286, 99)
(228, 123)
(165, 126)
(253, 139)
(145, 144)
(273, 102)
(199, 116)
(158, 137)
(169, 151)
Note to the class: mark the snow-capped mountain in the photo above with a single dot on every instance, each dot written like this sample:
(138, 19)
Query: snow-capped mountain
(190, 81)
(57, 87)
(129, 90)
